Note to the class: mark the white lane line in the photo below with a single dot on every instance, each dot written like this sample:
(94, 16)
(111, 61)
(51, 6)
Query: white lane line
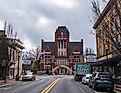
(24, 83)
(82, 90)
(100, 92)
(86, 86)
(7, 88)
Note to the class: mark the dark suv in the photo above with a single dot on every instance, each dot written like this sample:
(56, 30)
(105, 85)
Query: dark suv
(78, 77)
(102, 80)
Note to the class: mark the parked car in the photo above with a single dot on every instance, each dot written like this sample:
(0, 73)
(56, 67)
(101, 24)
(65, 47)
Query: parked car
(101, 80)
(28, 76)
(78, 77)
(85, 79)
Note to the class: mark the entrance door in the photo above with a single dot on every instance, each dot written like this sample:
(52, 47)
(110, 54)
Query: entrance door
(62, 71)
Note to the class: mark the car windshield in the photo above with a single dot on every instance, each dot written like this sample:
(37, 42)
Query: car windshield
(30, 73)
(87, 77)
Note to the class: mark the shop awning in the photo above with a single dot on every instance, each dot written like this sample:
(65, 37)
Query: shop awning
(108, 62)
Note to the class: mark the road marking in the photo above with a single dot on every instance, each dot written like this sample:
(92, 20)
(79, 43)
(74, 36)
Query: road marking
(47, 89)
(100, 92)
(52, 86)
(24, 83)
(7, 88)
(82, 90)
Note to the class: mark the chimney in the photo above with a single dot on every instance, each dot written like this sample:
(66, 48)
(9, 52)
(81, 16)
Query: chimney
(81, 50)
(42, 45)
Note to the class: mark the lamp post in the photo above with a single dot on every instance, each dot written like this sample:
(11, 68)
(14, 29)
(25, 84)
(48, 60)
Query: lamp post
(4, 63)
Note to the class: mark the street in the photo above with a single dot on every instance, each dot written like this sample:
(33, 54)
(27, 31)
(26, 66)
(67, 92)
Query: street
(66, 84)
(28, 86)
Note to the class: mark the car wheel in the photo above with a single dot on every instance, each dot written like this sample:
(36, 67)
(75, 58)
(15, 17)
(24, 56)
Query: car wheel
(32, 79)
(90, 86)
(111, 89)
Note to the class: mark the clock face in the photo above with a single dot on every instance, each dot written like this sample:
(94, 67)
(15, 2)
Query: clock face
(61, 33)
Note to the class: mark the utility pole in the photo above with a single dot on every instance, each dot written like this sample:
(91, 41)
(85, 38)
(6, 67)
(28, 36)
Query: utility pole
(5, 70)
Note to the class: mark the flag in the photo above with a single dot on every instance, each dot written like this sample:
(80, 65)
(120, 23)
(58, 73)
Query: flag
(40, 55)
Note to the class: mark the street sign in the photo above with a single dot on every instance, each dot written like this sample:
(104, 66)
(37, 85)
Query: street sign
(83, 68)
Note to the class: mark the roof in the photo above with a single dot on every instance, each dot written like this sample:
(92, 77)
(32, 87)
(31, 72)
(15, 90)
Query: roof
(2, 32)
(91, 54)
(108, 62)
(76, 49)
(104, 12)
(50, 45)
(72, 46)
(62, 28)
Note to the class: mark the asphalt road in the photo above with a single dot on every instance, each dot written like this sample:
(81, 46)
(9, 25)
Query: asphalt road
(29, 86)
(67, 85)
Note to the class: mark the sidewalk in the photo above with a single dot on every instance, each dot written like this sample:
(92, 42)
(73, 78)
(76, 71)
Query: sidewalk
(8, 83)
(117, 88)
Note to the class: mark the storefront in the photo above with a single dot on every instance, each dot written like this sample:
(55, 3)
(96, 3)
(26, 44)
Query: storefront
(111, 65)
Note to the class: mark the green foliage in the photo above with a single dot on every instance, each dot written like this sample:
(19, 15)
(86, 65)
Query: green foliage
(35, 66)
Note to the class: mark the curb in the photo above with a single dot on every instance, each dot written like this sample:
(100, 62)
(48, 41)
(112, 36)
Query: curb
(116, 91)
(4, 85)
(117, 88)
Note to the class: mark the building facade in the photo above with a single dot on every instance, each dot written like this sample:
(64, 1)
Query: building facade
(27, 61)
(10, 56)
(61, 56)
(108, 37)
(90, 58)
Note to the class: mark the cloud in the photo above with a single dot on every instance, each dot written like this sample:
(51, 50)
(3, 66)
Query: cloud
(67, 4)
(34, 20)
(28, 44)
(43, 21)
(1, 25)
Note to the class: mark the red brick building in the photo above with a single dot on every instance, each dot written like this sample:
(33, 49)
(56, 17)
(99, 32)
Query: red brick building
(60, 56)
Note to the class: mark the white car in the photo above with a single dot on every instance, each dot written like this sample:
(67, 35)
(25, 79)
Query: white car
(28, 76)
(85, 79)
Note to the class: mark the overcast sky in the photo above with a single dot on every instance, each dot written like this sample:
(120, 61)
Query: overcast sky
(37, 19)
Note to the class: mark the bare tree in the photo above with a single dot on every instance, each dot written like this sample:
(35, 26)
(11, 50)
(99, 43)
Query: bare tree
(89, 51)
(95, 9)
(8, 28)
(15, 35)
(35, 52)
